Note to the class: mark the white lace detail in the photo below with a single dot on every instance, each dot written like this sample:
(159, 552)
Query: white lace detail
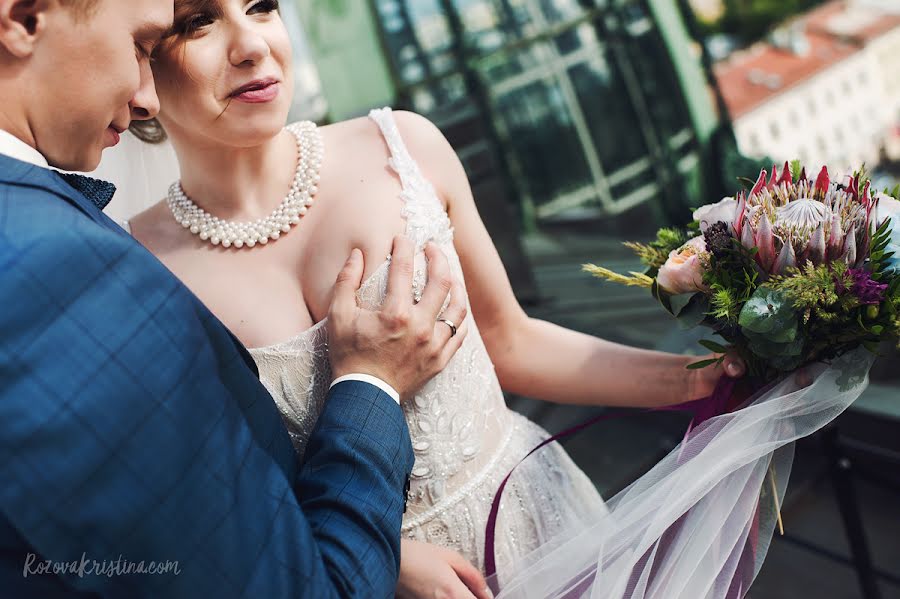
(425, 215)
(465, 438)
(298, 375)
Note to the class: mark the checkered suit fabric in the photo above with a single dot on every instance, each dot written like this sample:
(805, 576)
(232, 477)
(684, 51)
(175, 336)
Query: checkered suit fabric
(132, 425)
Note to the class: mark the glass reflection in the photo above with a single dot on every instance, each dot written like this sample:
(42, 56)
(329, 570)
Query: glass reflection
(578, 95)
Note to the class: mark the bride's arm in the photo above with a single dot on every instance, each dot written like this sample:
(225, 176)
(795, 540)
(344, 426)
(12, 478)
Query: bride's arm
(534, 357)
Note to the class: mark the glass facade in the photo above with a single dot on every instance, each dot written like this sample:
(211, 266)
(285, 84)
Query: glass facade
(580, 95)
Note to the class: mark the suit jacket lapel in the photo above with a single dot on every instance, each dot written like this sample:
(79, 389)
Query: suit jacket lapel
(15, 172)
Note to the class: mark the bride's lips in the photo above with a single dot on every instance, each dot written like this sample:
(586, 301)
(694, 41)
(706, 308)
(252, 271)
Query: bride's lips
(257, 92)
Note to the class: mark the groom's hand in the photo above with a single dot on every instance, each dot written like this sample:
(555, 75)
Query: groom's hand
(404, 344)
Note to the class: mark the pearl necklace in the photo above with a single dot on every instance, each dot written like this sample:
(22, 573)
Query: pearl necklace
(310, 149)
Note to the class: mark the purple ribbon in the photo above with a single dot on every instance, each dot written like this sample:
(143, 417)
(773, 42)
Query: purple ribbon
(720, 402)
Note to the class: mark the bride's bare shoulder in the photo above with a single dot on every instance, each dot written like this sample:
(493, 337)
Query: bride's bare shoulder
(152, 217)
(362, 139)
(359, 134)
(419, 134)
(153, 225)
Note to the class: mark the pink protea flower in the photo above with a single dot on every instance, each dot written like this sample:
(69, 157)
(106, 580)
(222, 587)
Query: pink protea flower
(790, 222)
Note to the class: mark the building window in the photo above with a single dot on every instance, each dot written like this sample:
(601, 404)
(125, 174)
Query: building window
(774, 130)
(573, 115)
(754, 144)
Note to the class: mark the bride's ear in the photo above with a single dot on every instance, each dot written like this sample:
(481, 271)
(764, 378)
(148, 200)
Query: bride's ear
(22, 23)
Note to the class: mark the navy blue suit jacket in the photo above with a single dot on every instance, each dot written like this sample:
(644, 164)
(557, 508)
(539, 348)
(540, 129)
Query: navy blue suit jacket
(134, 429)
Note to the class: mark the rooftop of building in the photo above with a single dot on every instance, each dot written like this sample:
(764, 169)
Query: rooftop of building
(855, 21)
(801, 49)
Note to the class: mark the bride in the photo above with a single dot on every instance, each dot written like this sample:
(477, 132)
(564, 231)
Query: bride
(311, 195)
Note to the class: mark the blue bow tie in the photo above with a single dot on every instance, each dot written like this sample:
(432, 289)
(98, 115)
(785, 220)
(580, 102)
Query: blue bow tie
(97, 191)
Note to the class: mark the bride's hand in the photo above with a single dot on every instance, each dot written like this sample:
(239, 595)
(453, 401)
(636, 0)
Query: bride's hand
(429, 571)
(702, 382)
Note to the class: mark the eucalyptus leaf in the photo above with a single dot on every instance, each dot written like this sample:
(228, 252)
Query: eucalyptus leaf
(713, 346)
(769, 350)
(680, 302)
(694, 313)
(701, 364)
(661, 296)
(784, 334)
(767, 312)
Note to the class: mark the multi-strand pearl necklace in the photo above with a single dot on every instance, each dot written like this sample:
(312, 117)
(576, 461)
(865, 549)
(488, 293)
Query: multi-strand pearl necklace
(209, 228)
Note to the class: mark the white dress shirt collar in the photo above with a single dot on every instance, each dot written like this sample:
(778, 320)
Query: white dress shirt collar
(12, 146)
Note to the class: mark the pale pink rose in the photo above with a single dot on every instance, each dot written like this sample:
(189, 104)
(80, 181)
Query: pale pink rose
(722, 211)
(683, 271)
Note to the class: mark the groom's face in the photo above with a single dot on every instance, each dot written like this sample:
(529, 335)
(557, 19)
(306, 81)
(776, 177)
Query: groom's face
(95, 77)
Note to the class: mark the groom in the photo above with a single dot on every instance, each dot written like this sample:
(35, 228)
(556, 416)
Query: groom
(139, 454)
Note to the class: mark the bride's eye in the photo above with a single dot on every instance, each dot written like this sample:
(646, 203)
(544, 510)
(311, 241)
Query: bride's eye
(195, 23)
(263, 7)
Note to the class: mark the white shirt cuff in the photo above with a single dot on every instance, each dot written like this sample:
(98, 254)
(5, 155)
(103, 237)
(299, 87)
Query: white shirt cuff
(365, 378)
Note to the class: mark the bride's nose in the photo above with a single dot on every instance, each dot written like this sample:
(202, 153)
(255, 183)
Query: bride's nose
(247, 46)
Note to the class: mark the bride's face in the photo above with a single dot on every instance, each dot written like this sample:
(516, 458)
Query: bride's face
(225, 74)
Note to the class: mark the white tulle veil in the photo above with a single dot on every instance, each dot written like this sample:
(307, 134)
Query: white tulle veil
(699, 524)
(141, 172)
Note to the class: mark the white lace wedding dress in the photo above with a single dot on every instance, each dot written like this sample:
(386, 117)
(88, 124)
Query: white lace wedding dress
(465, 438)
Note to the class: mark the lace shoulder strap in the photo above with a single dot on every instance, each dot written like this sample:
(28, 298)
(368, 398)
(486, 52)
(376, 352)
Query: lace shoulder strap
(426, 219)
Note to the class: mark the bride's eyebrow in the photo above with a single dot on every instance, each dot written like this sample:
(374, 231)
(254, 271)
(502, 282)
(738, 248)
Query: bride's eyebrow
(186, 8)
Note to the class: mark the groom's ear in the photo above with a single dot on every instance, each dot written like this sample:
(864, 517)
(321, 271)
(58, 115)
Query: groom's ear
(22, 22)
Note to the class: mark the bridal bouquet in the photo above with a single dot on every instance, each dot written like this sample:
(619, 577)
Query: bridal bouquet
(796, 273)
(792, 272)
